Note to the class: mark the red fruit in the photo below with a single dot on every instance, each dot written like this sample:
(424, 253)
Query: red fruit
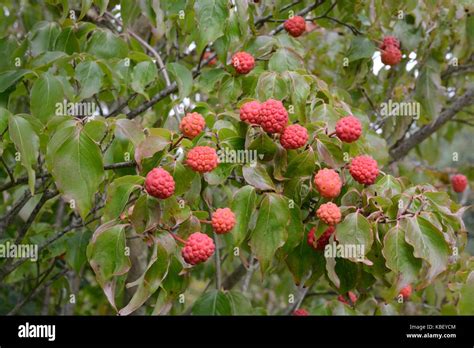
(322, 241)
(223, 220)
(295, 26)
(459, 182)
(192, 124)
(273, 116)
(243, 62)
(406, 292)
(364, 169)
(198, 248)
(294, 137)
(390, 41)
(329, 213)
(352, 297)
(391, 55)
(202, 159)
(328, 183)
(159, 183)
(300, 312)
(250, 112)
(348, 129)
(208, 54)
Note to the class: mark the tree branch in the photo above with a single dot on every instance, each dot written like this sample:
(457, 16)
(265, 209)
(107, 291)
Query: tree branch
(403, 147)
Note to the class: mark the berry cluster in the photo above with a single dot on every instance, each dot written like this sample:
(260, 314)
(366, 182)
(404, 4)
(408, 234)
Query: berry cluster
(243, 62)
(391, 54)
(159, 183)
(202, 159)
(198, 248)
(192, 125)
(295, 26)
(459, 182)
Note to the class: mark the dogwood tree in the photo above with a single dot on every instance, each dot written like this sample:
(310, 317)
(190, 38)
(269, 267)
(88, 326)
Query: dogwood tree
(235, 157)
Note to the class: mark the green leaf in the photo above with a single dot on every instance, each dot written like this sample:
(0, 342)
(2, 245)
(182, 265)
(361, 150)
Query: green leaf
(72, 154)
(76, 249)
(46, 94)
(239, 303)
(156, 271)
(210, 16)
(285, 59)
(118, 194)
(183, 77)
(387, 186)
(183, 177)
(270, 230)
(428, 243)
(258, 177)
(271, 85)
(89, 75)
(213, 302)
(130, 10)
(130, 130)
(303, 164)
(305, 264)
(107, 256)
(427, 89)
(10, 77)
(43, 37)
(295, 227)
(230, 90)
(243, 206)
(26, 143)
(466, 296)
(85, 7)
(361, 47)
(355, 232)
(146, 214)
(143, 74)
(102, 4)
(105, 44)
(299, 92)
(399, 257)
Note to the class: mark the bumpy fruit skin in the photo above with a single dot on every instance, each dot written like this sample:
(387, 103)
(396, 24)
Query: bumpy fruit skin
(192, 124)
(198, 248)
(329, 213)
(223, 220)
(243, 62)
(213, 61)
(364, 169)
(406, 292)
(391, 55)
(322, 241)
(390, 41)
(159, 183)
(294, 137)
(273, 116)
(348, 129)
(301, 312)
(202, 159)
(328, 183)
(250, 112)
(295, 26)
(459, 182)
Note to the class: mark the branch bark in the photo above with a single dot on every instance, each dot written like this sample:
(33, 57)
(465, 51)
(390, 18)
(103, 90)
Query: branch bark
(402, 148)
